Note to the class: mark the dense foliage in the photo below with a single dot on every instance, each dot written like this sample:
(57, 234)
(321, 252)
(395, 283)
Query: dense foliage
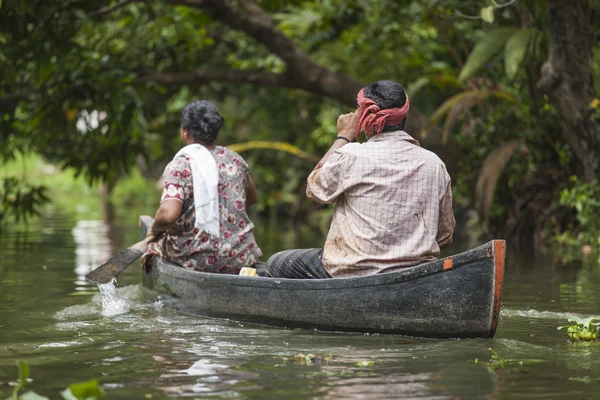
(98, 86)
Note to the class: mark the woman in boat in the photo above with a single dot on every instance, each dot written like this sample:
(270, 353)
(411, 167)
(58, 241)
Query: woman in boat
(202, 222)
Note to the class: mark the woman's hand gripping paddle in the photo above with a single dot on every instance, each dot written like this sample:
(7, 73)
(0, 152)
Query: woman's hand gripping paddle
(118, 263)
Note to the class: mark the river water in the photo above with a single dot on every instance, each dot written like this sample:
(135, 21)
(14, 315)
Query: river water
(51, 318)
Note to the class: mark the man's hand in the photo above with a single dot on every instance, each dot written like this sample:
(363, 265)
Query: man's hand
(347, 126)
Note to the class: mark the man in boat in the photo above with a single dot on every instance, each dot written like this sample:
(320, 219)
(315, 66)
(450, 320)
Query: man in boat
(393, 201)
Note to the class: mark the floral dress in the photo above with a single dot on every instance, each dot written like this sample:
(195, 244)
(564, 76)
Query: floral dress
(184, 245)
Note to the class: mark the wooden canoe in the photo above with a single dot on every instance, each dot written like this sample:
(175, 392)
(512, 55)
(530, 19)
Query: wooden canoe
(454, 297)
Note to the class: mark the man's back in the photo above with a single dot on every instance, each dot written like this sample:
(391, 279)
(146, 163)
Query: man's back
(393, 205)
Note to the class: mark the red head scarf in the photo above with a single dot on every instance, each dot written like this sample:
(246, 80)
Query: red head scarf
(372, 120)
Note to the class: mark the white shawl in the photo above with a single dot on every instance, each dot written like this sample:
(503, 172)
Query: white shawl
(205, 177)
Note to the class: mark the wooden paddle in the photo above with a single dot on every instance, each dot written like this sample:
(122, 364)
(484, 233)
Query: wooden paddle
(118, 263)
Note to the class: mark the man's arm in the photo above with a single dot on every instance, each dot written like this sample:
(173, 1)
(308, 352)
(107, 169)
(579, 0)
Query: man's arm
(324, 183)
(446, 222)
(347, 127)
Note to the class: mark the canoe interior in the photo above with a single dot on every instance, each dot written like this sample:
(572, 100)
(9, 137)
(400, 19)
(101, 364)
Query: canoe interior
(454, 297)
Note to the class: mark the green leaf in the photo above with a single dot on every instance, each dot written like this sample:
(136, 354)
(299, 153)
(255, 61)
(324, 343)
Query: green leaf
(23, 371)
(577, 320)
(417, 85)
(67, 395)
(586, 322)
(445, 107)
(487, 14)
(516, 50)
(31, 395)
(487, 47)
(83, 390)
(365, 364)
(459, 104)
(279, 146)
(489, 173)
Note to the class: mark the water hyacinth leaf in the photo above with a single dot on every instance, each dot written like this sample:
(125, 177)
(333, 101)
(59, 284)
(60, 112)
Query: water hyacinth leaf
(586, 322)
(67, 395)
(23, 371)
(577, 320)
(31, 395)
(365, 364)
(490, 171)
(83, 391)
(487, 47)
(516, 49)
(495, 358)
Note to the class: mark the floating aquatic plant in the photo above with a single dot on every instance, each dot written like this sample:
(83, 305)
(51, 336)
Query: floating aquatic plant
(496, 359)
(88, 390)
(364, 364)
(582, 329)
(311, 359)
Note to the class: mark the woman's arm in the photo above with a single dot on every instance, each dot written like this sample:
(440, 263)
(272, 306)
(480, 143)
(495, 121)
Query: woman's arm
(166, 216)
(251, 192)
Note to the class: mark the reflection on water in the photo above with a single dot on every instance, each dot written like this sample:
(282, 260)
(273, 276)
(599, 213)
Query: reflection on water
(93, 248)
(47, 320)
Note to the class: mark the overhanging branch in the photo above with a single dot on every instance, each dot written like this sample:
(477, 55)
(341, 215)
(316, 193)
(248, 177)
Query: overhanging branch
(210, 74)
(199, 76)
(16, 97)
(111, 8)
(253, 21)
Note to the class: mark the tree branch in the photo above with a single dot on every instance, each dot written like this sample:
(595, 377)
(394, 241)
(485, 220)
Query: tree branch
(111, 8)
(257, 24)
(445, 33)
(199, 76)
(207, 74)
(25, 94)
(16, 97)
(253, 21)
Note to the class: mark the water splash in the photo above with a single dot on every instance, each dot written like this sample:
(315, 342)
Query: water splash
(113, 303)
(540, 314)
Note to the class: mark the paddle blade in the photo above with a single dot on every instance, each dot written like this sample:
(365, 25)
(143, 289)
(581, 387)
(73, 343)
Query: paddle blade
(114, 266)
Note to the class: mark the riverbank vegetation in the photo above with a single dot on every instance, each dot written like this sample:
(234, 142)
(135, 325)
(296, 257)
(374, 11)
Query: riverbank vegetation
(505, 93)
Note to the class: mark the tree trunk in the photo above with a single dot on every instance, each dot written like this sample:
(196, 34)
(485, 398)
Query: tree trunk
(567, 78)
